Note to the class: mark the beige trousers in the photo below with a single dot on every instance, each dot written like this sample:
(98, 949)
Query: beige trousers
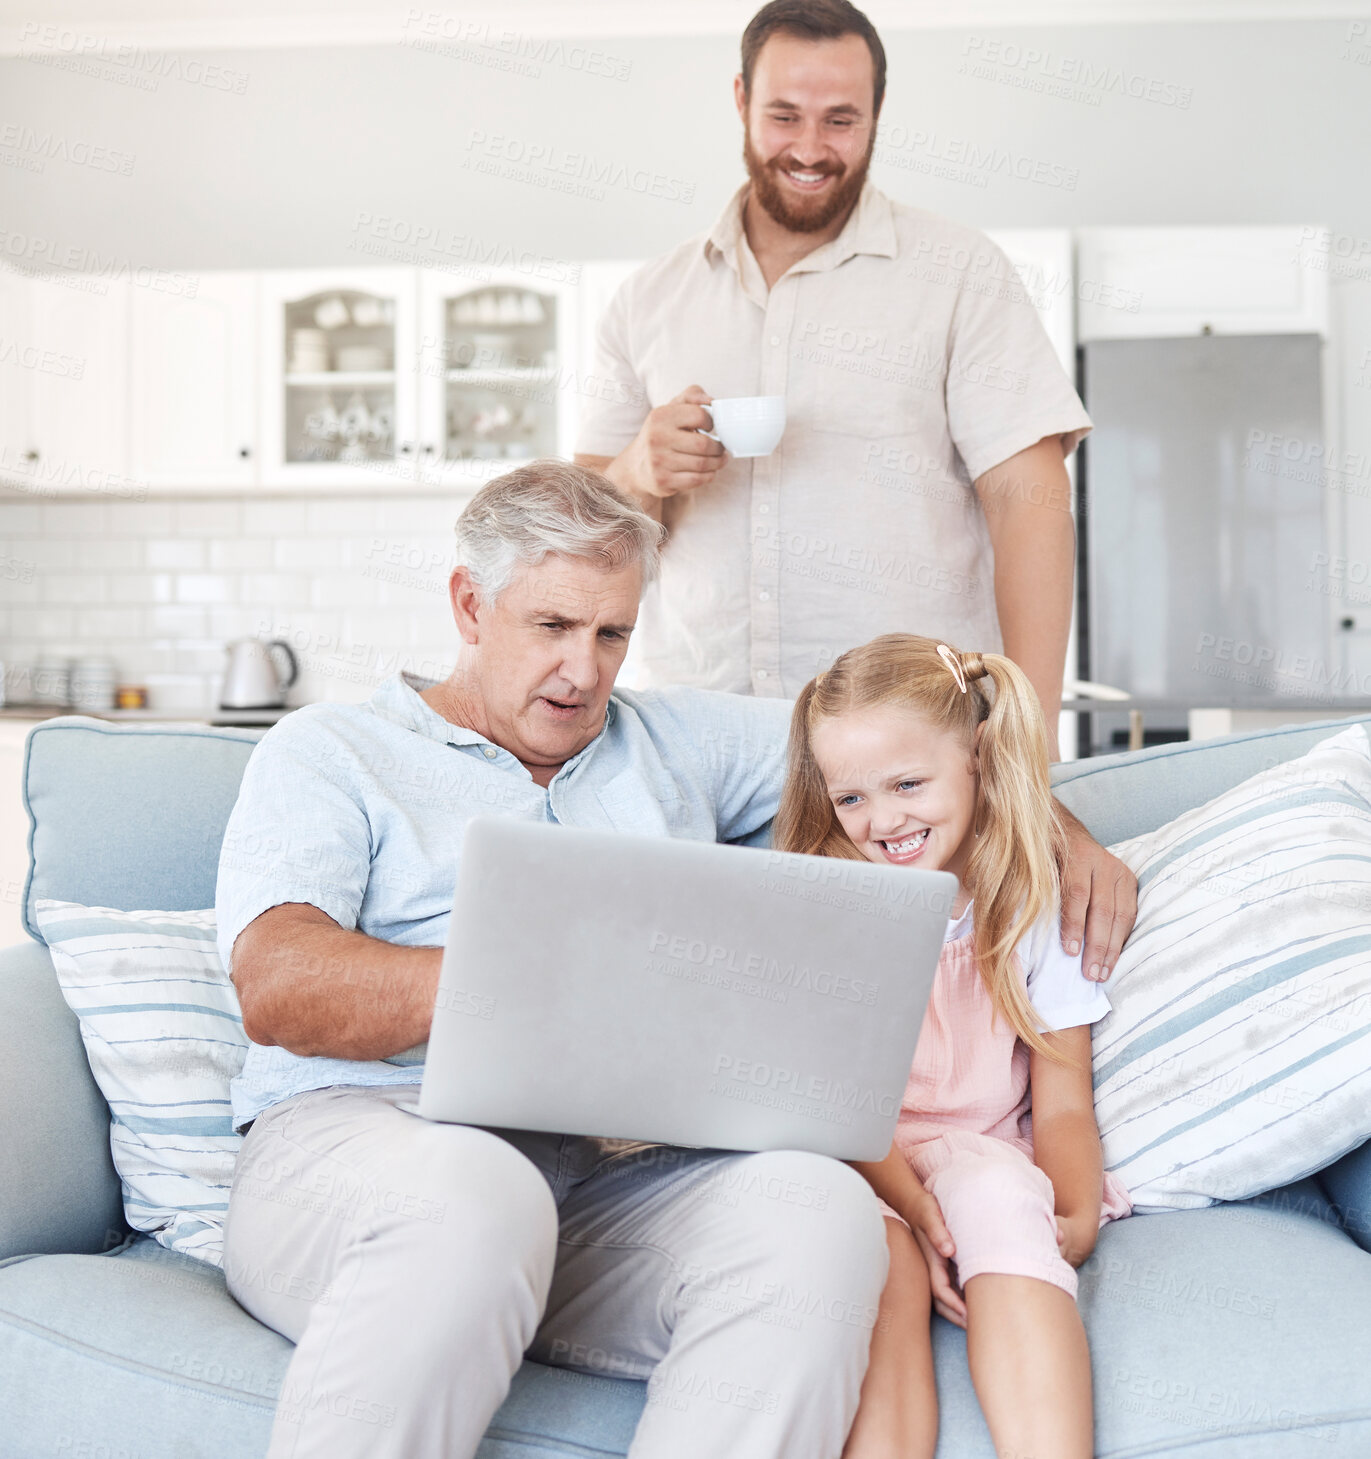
(413, 1264)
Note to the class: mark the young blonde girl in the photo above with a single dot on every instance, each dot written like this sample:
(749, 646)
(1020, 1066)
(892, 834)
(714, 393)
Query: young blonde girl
(909, 752)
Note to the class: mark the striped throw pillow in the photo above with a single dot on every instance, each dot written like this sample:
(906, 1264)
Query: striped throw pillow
(164, 1035)
(1237, 1056)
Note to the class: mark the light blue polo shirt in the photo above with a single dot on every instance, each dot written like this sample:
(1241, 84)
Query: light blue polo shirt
(360, 810)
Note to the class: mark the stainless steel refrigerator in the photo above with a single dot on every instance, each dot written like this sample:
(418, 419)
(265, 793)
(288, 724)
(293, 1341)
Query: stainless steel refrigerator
(1202, 515)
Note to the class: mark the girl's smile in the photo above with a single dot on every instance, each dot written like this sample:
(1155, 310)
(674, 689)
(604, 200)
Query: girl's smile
(903, 790)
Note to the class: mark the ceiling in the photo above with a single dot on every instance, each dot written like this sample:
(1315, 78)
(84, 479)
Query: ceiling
(172, 24)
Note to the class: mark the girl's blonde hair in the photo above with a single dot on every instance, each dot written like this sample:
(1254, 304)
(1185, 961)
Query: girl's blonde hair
(1013, 869)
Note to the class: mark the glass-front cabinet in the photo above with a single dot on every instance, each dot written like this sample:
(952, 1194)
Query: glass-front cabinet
(338, 401)
(496, 385)
(419, 377)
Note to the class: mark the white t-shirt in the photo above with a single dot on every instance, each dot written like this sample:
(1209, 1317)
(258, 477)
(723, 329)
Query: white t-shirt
(1061, 994)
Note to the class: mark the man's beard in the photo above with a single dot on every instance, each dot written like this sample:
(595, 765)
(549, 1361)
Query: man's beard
(804, 218)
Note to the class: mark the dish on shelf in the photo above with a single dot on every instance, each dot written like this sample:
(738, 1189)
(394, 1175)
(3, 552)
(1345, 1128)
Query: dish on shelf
(355, 358)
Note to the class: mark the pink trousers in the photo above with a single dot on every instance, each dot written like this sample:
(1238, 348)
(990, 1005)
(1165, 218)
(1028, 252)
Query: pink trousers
(966, 1129)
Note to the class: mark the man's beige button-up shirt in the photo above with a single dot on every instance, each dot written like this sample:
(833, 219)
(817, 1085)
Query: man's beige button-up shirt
(911, 361)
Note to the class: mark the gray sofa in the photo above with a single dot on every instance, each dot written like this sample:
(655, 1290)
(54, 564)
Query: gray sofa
(1238, 1332)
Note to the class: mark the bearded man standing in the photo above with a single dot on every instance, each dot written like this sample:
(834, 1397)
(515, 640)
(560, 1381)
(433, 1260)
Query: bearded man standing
(920, 485)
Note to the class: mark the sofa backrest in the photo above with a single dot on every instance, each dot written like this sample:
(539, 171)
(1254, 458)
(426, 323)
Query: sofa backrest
(1118, 796)
(132, 815)
(128, 815)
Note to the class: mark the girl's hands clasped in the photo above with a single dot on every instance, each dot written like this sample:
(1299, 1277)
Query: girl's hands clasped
(925, 1219)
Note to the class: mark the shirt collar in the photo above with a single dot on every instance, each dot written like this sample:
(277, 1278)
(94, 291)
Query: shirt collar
(398, 699)
(870, 228)
(959, 926)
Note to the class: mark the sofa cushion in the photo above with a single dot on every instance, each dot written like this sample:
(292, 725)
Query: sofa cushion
(129, 815)
(1347, 1184)
(164, 1036)
(1118, 796)
(1238, 1331)
(1237, 1056)
(142, 1352)
(58, 1187)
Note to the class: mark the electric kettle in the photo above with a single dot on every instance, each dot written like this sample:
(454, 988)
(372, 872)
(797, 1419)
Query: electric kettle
(252, 679)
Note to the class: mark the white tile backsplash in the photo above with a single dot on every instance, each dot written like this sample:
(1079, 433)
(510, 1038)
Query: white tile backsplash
(140, 587)
(73, 519)
(240, 554)
(275, 518)
(175, 553)
(108, 623)
(73, 587)
(127, 519)
(175, 622)
(122, 554)
(307, 552)
(205, 587)
(208, 519)
(356, 586)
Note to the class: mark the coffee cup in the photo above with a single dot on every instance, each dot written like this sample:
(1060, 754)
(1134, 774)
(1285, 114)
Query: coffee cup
(747, 425)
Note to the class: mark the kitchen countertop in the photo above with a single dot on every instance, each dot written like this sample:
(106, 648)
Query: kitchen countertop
(247, 718)
(1332, 706)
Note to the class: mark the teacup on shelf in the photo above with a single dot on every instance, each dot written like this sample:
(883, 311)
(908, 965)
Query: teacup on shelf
(332, 313)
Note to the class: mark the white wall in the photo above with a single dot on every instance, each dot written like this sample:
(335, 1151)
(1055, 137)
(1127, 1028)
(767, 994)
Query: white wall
(282, 158)
(1274, 131)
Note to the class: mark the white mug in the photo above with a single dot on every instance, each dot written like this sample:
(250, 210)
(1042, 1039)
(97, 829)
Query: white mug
(747, 425)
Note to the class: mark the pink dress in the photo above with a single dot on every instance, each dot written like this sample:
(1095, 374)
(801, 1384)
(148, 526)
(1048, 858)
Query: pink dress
(966, 1128)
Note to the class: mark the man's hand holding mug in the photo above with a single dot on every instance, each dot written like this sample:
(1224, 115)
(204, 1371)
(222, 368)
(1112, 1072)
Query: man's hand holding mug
(685, 442)
(671, 453)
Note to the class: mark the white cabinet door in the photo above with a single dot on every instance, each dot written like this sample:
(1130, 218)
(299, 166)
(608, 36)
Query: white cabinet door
(193, 384)
(1042, 259)
(63, 383)
(496, 372)
(1154, 283)
(600, 280)
(18, 449)
(80, 389)
(338, 379)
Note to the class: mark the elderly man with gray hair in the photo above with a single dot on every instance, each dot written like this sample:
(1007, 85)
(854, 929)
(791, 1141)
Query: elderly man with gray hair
(412, 1263)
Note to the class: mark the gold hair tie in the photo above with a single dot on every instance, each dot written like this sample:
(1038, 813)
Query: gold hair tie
(953, 663)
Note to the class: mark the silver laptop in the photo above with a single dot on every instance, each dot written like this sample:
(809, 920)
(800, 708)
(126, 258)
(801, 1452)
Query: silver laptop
(680, 992)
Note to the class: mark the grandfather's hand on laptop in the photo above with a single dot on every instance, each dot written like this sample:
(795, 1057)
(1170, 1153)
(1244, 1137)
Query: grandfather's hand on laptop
(669, 455)
(1099, 900)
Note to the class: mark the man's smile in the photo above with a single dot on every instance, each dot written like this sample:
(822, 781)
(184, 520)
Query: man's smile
(810, 180)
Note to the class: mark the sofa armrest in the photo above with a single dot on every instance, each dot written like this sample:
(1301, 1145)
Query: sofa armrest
(58, 1187)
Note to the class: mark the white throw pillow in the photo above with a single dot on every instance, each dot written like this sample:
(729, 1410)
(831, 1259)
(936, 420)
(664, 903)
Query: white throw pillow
(1237, 1057)
(164, 1035)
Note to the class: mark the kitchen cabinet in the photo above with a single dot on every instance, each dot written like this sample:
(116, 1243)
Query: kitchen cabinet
(16, 403)
(338, 374)
(1042, 259)
(493, 384)
(1153, 283)
(65, 389)
(600, 279)
(193, 383)
(361, 379)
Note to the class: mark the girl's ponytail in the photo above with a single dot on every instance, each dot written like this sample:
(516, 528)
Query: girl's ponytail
(1020, 844)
